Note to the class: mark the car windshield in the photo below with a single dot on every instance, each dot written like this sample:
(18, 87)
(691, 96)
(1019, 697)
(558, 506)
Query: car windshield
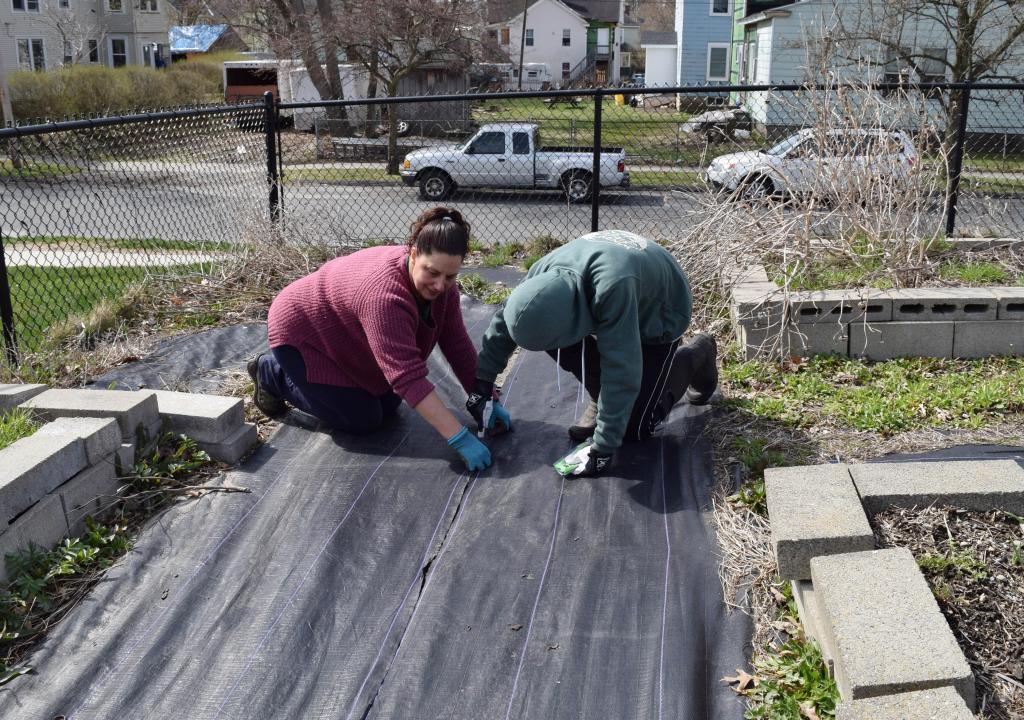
(785, 146)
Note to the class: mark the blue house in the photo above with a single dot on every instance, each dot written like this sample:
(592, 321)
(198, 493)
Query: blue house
(704, 30)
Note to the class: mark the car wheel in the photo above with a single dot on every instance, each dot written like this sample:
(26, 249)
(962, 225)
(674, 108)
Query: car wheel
(756, 189)
(577, 186)
(435, 186)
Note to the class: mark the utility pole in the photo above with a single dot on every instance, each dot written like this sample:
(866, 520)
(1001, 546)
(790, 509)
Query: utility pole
(522, 43)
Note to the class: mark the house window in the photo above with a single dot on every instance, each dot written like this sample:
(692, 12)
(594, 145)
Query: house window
(504, 36)
(896, 67)
(94, 51)
(932, 65)
(69, 53)
(150, 6)
(64, 3)
(25, 5)
(118, 52)
(115, 6)
(529, 36)
(719, 7)
(566, 38)
(566, 69)
(31, 55)
(718, 61)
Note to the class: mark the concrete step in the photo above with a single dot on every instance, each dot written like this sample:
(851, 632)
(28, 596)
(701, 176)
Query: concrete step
(969, 484)
(204, 418)
(101, 436)
(814, 510)
(133, 410)
(34, 466)
(885, 626)
(233, 447)
(939, 704)
(13, 395)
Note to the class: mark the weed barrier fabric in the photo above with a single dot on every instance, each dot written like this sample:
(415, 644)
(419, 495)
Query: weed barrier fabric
(371, 577)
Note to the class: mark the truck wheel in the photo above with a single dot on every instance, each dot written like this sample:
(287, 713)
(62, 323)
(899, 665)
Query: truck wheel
(756, 189)
(577, 186)
(435, 186)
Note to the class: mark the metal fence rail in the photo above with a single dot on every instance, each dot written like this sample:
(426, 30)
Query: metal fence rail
(93, 206)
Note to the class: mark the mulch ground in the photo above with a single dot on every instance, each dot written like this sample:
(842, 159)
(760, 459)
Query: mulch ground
(974, 564)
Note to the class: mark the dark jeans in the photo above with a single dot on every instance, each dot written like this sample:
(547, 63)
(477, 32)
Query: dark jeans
(283, 373)
(648, 410)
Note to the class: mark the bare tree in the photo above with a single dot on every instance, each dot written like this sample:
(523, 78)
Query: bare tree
(76, 29)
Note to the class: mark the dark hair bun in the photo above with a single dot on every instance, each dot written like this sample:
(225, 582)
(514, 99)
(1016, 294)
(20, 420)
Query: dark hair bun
(442, 230)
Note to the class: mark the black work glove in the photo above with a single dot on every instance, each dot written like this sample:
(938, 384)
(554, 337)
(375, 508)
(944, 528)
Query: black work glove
(476, 402)
(584, 461)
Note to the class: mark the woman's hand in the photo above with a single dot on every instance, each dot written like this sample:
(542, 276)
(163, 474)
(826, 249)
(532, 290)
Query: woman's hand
(473, 452)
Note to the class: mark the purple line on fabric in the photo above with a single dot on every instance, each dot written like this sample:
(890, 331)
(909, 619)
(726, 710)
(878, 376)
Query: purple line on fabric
(171, 603)
(291, 598)
(416, 577)
(664, 602)
(536, 601)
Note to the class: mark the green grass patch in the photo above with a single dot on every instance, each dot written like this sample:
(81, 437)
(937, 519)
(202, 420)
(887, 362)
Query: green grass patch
(32, 170)
(337, 174)
(885, 397)
(100, 244)
(975, 273)
(15, 425)
(492, 294)
(955, 562)
(662, 178)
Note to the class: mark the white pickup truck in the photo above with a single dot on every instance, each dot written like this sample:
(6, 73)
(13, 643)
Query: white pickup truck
(509, 155)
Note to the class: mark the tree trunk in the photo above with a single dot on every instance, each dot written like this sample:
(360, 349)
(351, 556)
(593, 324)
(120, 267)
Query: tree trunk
(392, 132)
(337, 117)
(372, 111)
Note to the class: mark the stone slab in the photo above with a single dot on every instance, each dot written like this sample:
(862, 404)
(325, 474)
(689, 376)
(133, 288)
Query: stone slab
(234, 446)
(885, 341)
(204, 418)
(32, 467)
(735, 275)
(887, 630)
(814, 510)
(938, 704)
(124, 459)
(12, 395)
(1010, 301)
(989, 338)
(812, 619)
(130, 408)
(839, 306)
(969, 484)
(91, 492)
(44, 525)
(941, 304)
(101, 436)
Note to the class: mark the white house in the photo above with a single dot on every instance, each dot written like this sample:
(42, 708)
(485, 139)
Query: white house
(47, 34)
(784, 45)
(556, 37)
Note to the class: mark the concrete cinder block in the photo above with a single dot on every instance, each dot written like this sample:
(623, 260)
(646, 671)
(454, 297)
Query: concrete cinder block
(124, 459)
(204, 418)
(823, 338)
(44, 525)
(941, 304)
(1010, 301)
(101, 436)
(812, 619)
(885, 341)
(839, 306)
(131, 409)
(814, 510)
(938, 704)
(32, 467)
(740, 275)
(234, 447)
(988, 338)
(757, 305)
(13, 395)
(886, 627)
(968, 484)
(91, 492)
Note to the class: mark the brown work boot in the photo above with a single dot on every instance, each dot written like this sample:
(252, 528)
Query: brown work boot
(586, 423)
(268, 404)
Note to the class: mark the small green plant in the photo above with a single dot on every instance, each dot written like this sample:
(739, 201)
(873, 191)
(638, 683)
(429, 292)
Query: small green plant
(14, 425)
(964, 563)
(1017, 558)
(174, 457)
(502, 254)
(975, 273)
(475, 286)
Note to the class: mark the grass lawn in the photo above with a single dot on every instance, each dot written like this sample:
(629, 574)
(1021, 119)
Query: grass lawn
(116, 243)
(44, 297)
(32, 170)
(15, 425)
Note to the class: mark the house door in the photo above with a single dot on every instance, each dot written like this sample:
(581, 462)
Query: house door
(603, 42)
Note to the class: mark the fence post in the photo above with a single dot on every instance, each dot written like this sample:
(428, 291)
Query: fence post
(595, 180)
(6, 309)
(273, 177)
(957, 161)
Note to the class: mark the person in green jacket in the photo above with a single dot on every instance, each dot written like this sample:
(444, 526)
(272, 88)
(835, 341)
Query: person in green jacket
(610, 307)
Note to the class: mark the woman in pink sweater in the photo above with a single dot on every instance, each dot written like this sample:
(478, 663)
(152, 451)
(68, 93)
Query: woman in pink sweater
(350, 341)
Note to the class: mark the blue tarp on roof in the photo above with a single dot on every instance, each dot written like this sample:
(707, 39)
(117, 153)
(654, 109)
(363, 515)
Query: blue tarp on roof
(195, 38)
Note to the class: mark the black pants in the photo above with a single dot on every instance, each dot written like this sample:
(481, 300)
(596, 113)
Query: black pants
(648, 410)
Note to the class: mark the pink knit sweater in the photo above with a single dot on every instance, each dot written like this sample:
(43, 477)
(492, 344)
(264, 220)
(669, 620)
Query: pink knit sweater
(356, 324)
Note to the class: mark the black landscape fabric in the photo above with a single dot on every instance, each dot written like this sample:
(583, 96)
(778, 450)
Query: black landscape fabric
(372, 577)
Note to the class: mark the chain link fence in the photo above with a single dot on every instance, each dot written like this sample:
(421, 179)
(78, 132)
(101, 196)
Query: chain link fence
(92, 207)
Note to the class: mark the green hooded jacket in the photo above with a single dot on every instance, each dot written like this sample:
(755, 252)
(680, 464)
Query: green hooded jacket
(620, 287)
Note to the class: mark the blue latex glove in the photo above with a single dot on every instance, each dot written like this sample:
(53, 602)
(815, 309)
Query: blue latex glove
(473, 452)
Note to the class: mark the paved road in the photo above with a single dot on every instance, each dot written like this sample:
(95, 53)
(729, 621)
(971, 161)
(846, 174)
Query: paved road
(229, 203)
